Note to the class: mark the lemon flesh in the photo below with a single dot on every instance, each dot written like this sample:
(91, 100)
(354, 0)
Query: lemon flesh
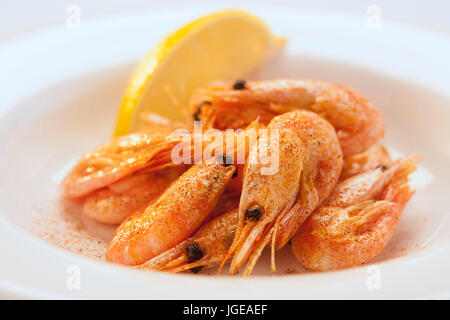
(223, 45)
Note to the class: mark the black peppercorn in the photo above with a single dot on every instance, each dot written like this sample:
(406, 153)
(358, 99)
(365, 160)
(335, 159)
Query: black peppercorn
(383, 167)
(253, 213)
(239, 85)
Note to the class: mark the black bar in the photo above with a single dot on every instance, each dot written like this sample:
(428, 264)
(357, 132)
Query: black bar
(215, 309)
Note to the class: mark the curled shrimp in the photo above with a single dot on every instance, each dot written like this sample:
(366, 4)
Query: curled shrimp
(358, 123)
(375, 156)
(173, 217)
(273, 206)
(357, 220)
(114, 203)
(207, 248)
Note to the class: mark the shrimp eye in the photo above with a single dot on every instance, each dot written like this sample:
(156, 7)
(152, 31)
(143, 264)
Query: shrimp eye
(239, 85)
(253, 213)
(193, 252)
(224, 159)
(383, 167)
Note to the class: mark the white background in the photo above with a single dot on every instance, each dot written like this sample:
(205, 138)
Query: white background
(22, 16)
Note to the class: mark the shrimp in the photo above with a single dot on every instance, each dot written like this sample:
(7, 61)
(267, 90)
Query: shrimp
(117, 159)
(274, 206)
(373, 157)
(147, 150)
(173, 217)
(207, 248)
(357, 220)
(223, 105)
(116, 202)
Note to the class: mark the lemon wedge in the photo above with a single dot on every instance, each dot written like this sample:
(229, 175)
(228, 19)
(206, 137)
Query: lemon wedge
(223, 45)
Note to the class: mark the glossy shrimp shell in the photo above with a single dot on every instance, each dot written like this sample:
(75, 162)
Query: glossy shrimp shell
(114, 203)
(179, 211)
(358, 123)
(357, 221)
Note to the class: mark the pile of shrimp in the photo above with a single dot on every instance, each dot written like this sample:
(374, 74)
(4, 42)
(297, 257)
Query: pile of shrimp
(335, 199)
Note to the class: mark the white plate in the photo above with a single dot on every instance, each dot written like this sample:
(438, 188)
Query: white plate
(60, 90)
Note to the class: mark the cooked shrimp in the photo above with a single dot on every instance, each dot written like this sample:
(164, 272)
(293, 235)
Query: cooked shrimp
(207, 248)
(117, 159)
(173, 217)
(357, 220)
(358, 123)
(125, 155)
(116, 202)
(274, 206)
(373, 157)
